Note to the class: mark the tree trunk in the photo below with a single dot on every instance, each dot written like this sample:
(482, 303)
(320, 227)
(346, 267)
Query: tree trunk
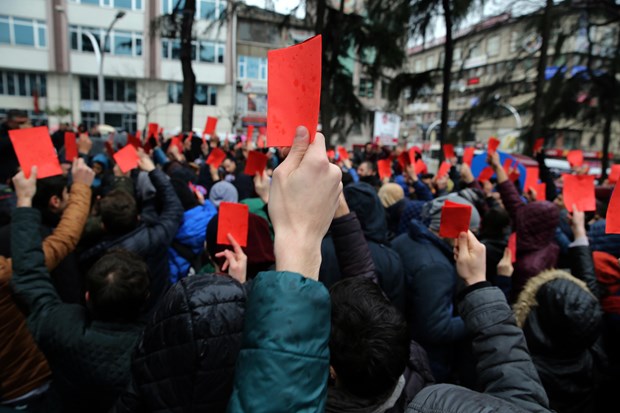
(537, 117)
(447, 76)
(189, 79)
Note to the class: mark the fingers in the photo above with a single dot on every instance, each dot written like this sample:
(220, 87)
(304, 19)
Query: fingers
(462, 242)
(235, 244)
(33, 173)
(472, 240)
(298, 150)
(507, 255)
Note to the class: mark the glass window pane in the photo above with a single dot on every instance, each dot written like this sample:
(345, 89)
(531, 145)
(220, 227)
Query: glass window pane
(32, 82)
(220, 54)
(24, 32)
(201, 97)
(194, 47)
(120, 90)
(130, 91)
(21, 83)
(213, 95)
(176, 49)
(5, 31)
(42, 36)
(122, 43)
(109, 90)
(42, 85)
(1, 83)
(95, 2)
(87, 45)
(10, 81)
(164, 49)
(207, 9)
(252, 67)
(138, 46)
(122, 4)
(138, 4)
(207, 52)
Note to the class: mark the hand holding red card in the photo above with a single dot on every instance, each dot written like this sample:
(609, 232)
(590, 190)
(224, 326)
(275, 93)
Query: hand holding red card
(455, 219)
(404, 160)
(468, 155)
(216, 157)
(294, 90)
(531, 178)
(448, 151)
(152, 131)
(538, 144)
(250, 132)
(444, 168)
(575, 158)
(342, 152)
(71, 149)
(420, 166)
(385, 168)
(127, 158)
(233, 219)
(210, 126)
(33, 147)
(612, 222)
(579, 190)
(486, 174)
(256, 163)
(492, 146)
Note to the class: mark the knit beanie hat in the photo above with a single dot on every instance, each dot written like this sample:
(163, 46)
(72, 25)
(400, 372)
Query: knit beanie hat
(391, 194)
(223, 192)
(431, 212)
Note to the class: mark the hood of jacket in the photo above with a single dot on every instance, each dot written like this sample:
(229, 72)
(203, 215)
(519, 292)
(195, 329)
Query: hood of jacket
(420, 233)
(364, 201)
(558, 313)
(193, 229)
(536, 224)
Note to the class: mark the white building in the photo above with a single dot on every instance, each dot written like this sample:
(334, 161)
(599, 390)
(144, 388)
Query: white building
(48, 61)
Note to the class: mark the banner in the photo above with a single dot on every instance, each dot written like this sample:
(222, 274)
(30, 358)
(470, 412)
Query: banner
(387, 128)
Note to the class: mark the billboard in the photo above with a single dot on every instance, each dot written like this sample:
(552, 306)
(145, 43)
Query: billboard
(386, 129)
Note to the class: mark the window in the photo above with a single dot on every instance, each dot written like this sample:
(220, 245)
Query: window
(23, 32)
(430, 62)
(22, 84)
(418, 66)
(203, 94)
(514, 41)
(366, 88)
(118, 43)
(115, 4)
(116, 90)
(168, 5)
(202, 51)
(476, 50)
(457, 54)
(493, 46)
(210, 9)
(252, 67)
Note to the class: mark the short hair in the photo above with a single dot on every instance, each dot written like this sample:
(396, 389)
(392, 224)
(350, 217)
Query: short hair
(119, 212)
(371, 165)
(16, 113)
(46, 189)
(369, 342)
(118, 286)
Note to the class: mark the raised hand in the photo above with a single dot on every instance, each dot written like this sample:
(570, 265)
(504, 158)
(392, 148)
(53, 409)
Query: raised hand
(25, 188)
(470, 257)
(236, 262)
(145, 162)
(81, 173)
(262, 184)
(504, 266)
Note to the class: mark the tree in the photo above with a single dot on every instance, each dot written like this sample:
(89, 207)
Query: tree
(148, 101)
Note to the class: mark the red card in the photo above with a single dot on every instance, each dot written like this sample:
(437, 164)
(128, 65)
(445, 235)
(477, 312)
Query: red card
(443, 169)
(33, 146)
(531, 178)
(575, 158)
(153, 129)
(403, 160)
(415, 149)
(216, 157)
(486, 174)
(507, 164)
(138, 136)
(612, 224)
(233, 219)
(512, 246)
(385, 168)
(127, 158)
(176, 141)
(256, 163)
(71, 150)
(454, 219)
(448, 151)
(420, 166)
(294, 90)
(342, 152)
(579, 190)
(331, 154)
(468, 155)
(541, 192)
(614, 174)
(250, 132)
(538, 144)
(134, 141)
(262, 131)
(210, 126)
(492, 145)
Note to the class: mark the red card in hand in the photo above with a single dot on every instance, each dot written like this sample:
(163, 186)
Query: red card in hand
(614, 174)
(176, 141)
(153, 130)
(468, 155)
(33, 147)
(294, 90)
(127, 158)
(385, 168)
(512, 246)
(420, 166)
(71, 150)
(541, 192)
(210, 126)
(134, 141)
(538, 144)
(342, 152)
(250, 132)
(233, 219)
(579, 190)
(454, 219)
(403, 160)
(575, 158)
(448, 151)
(486, 174)
(444, 168)
(216, 157)
(256, 163)
(612, 223)
(531, 178)
(492, 145)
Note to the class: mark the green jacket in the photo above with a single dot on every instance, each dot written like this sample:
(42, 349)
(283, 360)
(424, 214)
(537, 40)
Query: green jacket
(284, 361)
(89, 359)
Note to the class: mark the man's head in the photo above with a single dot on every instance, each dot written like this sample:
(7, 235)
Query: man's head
(369, 343)
(52, 195)
(117, 286)
(431, 214)
(119, 212)
(16, 119)
(229, 165)
(366, 168)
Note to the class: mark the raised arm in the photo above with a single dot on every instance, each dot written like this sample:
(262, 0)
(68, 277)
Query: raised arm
(580, 255)
(510, 197)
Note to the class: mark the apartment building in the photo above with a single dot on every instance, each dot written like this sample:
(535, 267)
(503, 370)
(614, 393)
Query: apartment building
(50, 66)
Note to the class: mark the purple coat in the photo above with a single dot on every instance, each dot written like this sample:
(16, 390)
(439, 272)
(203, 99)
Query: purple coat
(535, 224)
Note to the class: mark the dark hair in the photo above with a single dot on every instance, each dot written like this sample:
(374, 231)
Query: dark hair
(369, 342)
(371, 165)
(118, 285)
(494, 223)
(119, 212)
(186, 196)
(16, 113)
(46, 189)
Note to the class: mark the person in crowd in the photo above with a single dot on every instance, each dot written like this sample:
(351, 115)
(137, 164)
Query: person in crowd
(88, 349)
(598, 238)
(150, 239)
(235, 175)
(104, 175)
(431, 288)
(494, 233)
(367, 172)
(15, 119)
(223, 192)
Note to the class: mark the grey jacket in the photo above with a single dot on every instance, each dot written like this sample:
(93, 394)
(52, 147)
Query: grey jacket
(506, 374)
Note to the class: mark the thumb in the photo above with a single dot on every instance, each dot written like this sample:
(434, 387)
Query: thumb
(299, 148)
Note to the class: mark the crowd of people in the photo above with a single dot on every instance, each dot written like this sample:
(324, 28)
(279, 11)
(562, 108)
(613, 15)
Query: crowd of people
(115, 295)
